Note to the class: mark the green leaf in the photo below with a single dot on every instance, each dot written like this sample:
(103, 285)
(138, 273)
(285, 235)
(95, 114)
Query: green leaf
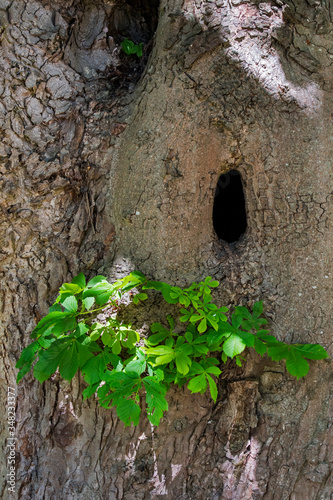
(164, 359)
(312, 351)
(270, 339)
(183, 363)
(214, 370)
(95, 334)
(236, 320)
(189, 336)
(195, 317)
(106, 338)
(89, 391)
(116, 347)
(68, 364)
(49, 360)
(97, 279)
(155, 399)
(103, 298)
(79, 280)
(82, 328)
(55, 308)
(84, 354)
(69, 289)
(48, 321)
(198, 384)
(212, 321)
(91, 370)
(212, 387)
(128, 411)
(70, 304)
(46, 341)
(276, 353)
(138, 275)
(258, 309)
(242, 311)
(28, 354)
(26, 368)
(132, 338)
(137, 366)
(233, 345)
(238, 361)
(296, 364)
(260, 347)
(202, 325)
(247, 338)
(88, 302)
(196, 369)
(140, 296)
(201, 348)
(159, 351)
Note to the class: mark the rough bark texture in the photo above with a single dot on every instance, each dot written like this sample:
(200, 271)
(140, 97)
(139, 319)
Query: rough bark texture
(103, 172)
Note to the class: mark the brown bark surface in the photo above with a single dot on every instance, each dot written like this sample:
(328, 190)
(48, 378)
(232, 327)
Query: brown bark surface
(109, 163)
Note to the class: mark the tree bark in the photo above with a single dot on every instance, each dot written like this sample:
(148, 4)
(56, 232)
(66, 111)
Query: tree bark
(110, 163)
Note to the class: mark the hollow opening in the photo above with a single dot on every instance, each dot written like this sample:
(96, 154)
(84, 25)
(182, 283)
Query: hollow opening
(229, 212)
(135, 20)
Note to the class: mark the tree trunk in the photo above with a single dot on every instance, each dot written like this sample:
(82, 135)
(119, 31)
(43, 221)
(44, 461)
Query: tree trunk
(110, 163)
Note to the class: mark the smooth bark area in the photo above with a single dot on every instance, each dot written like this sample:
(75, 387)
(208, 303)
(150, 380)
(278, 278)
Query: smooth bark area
(110, 163)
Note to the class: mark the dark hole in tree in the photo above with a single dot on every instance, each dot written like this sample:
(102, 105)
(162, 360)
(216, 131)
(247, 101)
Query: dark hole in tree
(229, 213)
(137, 21)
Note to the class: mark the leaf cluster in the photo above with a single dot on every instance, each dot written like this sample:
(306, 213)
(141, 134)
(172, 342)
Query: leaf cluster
(130, 47)
(122, 368)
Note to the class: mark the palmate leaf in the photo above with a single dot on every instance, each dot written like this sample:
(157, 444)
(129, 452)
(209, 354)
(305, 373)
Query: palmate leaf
(182, 357)
(243, 311)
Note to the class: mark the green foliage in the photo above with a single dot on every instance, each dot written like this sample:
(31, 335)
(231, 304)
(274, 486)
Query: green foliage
(130, 47)
(119, 366)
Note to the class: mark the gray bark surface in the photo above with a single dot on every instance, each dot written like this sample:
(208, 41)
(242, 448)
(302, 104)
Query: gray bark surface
(105, 171)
